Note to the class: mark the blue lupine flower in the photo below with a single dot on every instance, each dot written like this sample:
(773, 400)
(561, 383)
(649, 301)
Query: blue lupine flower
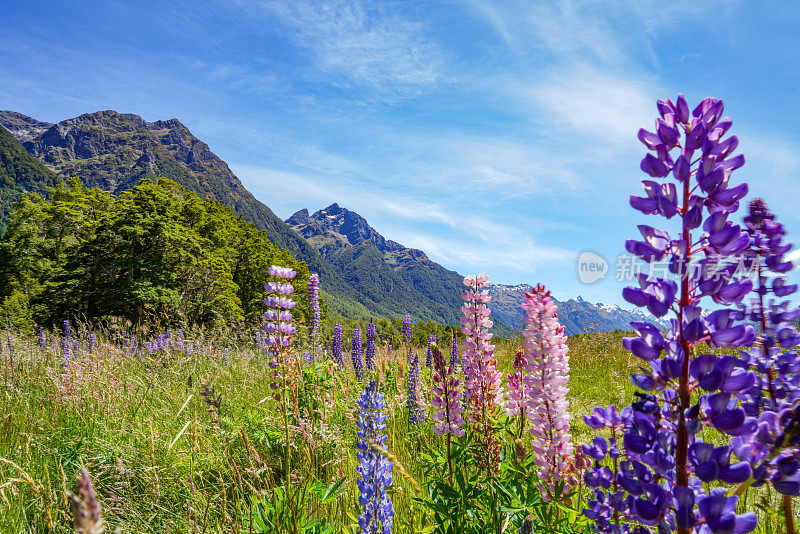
(370, 355)
(416, 413)
(431, 341)
(374, 468)
(454, 356)
(336, 347)
(355, 352)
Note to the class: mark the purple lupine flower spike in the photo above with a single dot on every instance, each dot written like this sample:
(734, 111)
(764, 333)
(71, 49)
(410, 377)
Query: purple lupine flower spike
(431, 341)
(279, 328)
(374, 469)
(412, 400)
(370, 353)
(454, 354)
(774, 394)
(358, 366)
(656, 470)
(65, 346)
(336, 345)
(445, 398)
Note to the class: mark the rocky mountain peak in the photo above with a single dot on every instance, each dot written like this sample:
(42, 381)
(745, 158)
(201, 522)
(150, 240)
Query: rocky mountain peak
(22, 127)
(345, 226)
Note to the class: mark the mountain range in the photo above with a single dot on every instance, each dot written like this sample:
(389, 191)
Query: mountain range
(362, 273)
(577, 315)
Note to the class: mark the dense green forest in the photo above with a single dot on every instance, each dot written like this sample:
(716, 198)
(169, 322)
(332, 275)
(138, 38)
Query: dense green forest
(155, 253)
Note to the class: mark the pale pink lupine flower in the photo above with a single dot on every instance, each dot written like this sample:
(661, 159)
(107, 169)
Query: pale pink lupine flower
(482, 379)
(546, 380)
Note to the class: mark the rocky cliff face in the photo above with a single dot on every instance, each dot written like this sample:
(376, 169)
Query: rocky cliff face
(22, 127)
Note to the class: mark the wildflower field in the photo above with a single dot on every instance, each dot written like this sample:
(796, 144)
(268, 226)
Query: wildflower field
(189, 439)
(298, 423)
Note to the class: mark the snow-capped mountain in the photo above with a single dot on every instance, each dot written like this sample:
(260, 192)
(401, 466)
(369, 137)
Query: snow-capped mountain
(577, 315)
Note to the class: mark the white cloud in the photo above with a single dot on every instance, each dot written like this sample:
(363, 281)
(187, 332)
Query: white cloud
(365, 45)
(516, 251)
(590, 102)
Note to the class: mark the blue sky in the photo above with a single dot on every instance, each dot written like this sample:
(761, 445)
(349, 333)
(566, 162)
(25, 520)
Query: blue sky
(496, 136)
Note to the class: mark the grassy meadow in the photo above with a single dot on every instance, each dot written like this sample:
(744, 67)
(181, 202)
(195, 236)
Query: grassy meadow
(192, 442)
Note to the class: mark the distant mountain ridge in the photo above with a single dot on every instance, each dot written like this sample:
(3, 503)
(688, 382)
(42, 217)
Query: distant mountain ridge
(577, 315)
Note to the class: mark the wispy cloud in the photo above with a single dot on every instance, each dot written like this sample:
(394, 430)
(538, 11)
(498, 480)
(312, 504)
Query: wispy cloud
(594, 103)
(517, 251)
(365, 45)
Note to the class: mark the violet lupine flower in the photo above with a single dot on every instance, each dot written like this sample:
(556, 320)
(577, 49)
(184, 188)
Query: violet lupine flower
(772, 451)
(431, 341)
(545, 391)
(415, 415)
(608, 503)
(282, 272)
(454, 354)
(374, 468)
(389, 349)
(313, 307)
(42, 341)
(65, 346)
(370, 354)
(664, 463)
(445, 398)
(518, 395)
(336, 345)
(358, 366)
(482, 379)
(91, 343)
(278, 327)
